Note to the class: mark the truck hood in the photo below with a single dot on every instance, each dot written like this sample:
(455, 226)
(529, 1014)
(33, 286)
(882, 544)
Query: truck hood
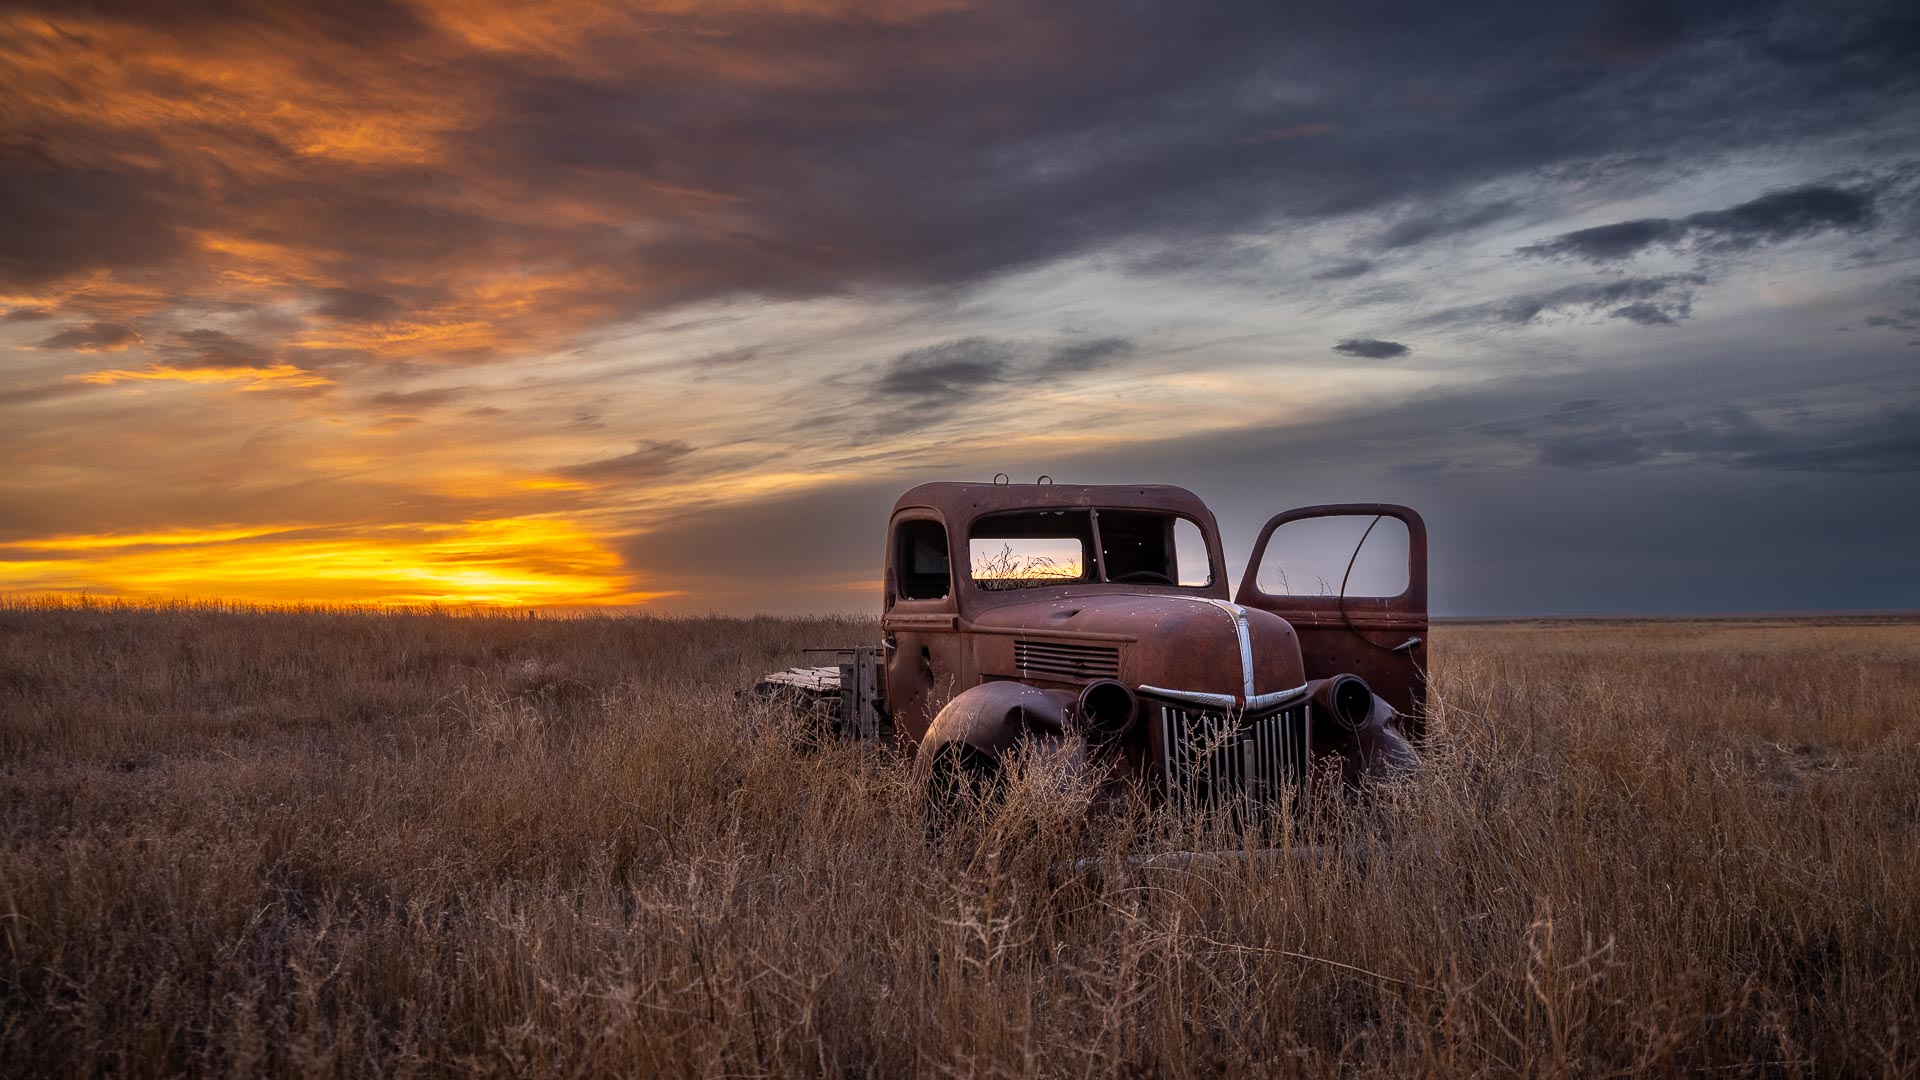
(1199, 649)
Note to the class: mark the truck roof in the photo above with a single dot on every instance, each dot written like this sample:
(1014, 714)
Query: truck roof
(962, 501)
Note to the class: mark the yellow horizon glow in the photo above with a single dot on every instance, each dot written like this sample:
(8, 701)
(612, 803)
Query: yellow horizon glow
(508, 562)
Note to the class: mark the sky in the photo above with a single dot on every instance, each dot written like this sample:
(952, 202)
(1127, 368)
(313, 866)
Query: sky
(574, 304)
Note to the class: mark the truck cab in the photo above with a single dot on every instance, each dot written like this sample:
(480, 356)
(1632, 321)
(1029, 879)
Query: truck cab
(1020, 612)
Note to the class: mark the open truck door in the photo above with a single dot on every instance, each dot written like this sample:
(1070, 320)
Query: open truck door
(1352, 579)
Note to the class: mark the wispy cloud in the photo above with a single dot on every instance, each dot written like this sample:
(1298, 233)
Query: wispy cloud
(1372, 348)
(1770, 219)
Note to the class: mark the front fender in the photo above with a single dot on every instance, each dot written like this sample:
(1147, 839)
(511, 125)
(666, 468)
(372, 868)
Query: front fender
(1386, 752)
(993, 717)
(1373, 748)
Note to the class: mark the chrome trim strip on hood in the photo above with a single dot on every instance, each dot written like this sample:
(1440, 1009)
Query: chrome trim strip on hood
(1241, 632)
(1239, 616)
(1227, 702)
(1248, 700)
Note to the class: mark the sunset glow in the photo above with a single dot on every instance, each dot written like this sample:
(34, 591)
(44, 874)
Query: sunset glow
(661, 304)
(528, 562)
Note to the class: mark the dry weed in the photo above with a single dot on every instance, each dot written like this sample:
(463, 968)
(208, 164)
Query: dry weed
(339, 843)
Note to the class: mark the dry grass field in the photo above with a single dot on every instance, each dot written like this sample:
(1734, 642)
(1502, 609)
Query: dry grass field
(336, 843)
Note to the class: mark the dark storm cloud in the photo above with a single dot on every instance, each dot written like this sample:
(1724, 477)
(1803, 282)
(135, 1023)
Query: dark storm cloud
(800, 156)
(90, 337)
(1769, 219)
(1708, 504)
(650, 460)
(408, 185)
(1599, 435)
(1371, 348)
(1635, 31)
(1649, 301)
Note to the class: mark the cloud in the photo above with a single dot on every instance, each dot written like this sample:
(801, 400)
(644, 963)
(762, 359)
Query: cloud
(1648, 301)
(1635, 31)
(1344, 269)
(1774, 217)
(1648, 314)
(301, 195)
(1864, 439)
(946, 373)
(418, 399)
(1905, 318)
(1079, 357)
(1372, 348)
(724, 358)
(356, 306)
(935, 378)
(215, 348)
(650, 460)
(693, 155)
(91, 337)
(1433, 223)
(250, 377)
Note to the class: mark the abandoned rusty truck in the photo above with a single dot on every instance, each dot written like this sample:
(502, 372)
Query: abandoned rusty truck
(1016, 614)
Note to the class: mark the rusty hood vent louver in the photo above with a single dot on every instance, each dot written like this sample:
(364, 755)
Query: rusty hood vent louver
(1067, 659)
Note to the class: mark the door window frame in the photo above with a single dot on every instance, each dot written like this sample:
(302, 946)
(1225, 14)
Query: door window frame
(1410, 602)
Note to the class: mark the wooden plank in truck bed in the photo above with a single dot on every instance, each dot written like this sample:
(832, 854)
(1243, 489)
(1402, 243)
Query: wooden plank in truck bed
(815, 679)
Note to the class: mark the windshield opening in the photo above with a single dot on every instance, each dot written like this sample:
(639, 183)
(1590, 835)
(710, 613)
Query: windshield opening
(1026, 549)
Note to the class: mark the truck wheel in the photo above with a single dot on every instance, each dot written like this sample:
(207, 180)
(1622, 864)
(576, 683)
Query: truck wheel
(961, 777)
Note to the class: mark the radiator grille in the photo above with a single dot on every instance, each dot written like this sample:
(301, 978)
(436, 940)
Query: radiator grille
(1067, 659)
(1211, 759)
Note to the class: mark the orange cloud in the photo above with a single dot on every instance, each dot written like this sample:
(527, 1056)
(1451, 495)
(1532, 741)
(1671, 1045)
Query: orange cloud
(115, 74)
(405, 338)
(275, 377)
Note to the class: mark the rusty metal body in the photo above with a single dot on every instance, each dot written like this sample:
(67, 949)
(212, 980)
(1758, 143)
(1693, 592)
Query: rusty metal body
(1228, 695)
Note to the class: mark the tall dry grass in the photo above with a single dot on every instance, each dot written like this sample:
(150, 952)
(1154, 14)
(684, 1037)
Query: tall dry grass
(246, 842)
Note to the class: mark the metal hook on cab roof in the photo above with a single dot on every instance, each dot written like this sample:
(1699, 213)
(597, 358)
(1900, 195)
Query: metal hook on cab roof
(1001, 479)
(1045, 479)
